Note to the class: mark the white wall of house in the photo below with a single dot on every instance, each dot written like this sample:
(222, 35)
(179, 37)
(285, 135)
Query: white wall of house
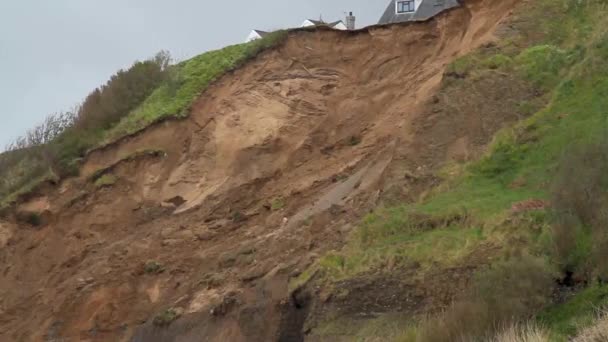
(253, 36)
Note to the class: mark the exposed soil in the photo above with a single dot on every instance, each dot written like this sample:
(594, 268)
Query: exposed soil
(275, 164)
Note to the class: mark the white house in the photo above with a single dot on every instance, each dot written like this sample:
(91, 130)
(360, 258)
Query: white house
(337, 25)
(399, 11)
(255, 34)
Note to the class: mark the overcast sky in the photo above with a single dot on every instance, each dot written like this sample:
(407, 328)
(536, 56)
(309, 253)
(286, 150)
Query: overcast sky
(53, 53)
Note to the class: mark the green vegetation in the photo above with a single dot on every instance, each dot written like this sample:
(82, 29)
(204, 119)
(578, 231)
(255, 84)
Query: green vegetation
(354, 140)
(166, 317)
(33, 219)
(238, 217)
(498, 61)
(105, 181)
(28, 186)
(501, 295)
(566, 320)
(390, 242)
(130, 101)
(153, 267)
(556, 155)
(130, 157)
(277, 204)
(543, 64)
(187, 81)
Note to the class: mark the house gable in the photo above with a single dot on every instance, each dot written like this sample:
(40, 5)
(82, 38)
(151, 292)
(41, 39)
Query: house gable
(399, 11)
(311, 22)
(255, 34)
(338, 25)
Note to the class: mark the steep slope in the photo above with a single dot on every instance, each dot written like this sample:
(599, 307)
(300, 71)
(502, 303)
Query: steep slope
(208, 218)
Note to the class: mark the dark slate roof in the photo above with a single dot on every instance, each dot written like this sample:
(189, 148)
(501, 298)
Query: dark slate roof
(261, 33)
(427, 9)
(335, 23)
(317, 22)
(322, 23)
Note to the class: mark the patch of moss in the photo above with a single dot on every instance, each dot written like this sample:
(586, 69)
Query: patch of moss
(153, 267)
(166, 317)
(277, 204)
(498, 61)
(106, 181)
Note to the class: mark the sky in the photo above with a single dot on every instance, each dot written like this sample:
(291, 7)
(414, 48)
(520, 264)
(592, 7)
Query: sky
(53, 53)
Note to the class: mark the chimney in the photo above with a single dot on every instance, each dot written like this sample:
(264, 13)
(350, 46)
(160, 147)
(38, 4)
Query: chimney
(350, 21)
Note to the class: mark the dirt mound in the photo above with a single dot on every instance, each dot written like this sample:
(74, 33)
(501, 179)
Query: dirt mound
(272, 168)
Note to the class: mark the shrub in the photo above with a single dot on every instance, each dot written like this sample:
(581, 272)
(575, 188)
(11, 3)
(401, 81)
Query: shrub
(153, 267)
(166, 317)
(54, 147)
(122, 93)
(238, 217)
(354, 140)
(580, 203)
(505, 293)
(33, 219)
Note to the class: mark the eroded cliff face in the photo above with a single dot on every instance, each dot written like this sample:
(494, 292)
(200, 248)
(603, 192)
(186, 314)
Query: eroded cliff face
(209, 217)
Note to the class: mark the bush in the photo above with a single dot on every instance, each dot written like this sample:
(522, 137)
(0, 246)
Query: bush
(153, 267)
(54, 148)
(166, 317)
(125, 90)
(580, 203)
(502, 295)
(238, 217)
(33, 219)
(354, 140)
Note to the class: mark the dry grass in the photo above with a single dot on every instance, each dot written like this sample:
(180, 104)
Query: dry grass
(506, 293)
(595, 333)
(522, 333)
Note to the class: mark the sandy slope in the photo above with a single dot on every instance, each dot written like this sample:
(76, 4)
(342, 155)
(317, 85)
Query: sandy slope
(276, 162)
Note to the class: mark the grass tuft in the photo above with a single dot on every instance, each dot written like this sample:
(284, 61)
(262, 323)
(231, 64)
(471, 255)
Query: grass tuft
(106, 181)
(166, 317)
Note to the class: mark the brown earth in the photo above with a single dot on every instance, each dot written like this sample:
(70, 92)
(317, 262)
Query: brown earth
(276, 163)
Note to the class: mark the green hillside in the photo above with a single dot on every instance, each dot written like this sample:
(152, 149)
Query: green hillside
(131, 100)
(187, 81)
(557, 156)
